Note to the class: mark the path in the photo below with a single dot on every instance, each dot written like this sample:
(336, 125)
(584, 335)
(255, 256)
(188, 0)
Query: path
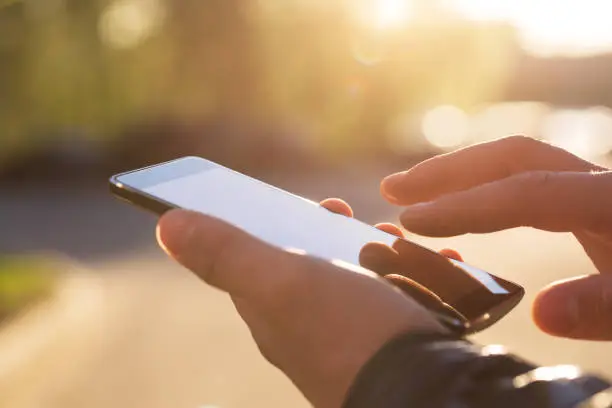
(138, 331)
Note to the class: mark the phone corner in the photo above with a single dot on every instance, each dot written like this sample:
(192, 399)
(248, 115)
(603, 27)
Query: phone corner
(114, 183)
(520, 293)
(190, 157)
(115, 186)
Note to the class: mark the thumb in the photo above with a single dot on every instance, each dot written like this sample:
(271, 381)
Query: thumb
(227, 257)
(579, 308)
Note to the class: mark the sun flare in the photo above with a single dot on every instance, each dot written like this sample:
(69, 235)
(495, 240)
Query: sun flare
(548, 27)
(384, 14)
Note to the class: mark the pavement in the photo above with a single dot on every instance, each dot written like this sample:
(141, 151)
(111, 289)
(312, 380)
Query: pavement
(131, 329)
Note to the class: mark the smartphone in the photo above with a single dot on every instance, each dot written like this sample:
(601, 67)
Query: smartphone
(465, 298)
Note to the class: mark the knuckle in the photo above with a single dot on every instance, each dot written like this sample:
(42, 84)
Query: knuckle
(538, 180)
(521, 153)
(596, 197)
(519, 143)
(529, 192)
(531, 187)
(518, 150)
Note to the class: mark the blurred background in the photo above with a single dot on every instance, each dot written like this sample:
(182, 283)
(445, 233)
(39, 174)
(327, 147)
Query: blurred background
(322, 98)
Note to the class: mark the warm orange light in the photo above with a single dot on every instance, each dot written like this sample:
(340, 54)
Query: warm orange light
(585, 133)
(383, 14)
(127, 23)
(548, 27)
(446, 127)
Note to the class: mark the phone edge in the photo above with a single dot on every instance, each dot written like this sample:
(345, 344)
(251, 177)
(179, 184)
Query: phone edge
(138, 198)
(496, 313)
(158, 206)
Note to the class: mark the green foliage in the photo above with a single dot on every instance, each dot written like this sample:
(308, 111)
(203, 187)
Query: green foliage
(67, 64)
(5, 3)
(22, 281)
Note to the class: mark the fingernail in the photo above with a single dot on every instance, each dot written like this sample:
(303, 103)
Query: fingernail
(175, 230)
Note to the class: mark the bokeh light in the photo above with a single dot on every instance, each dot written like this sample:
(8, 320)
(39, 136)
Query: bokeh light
(383, 14)
(367, 51)
(509, 118)
(446, 127)
(548, 27)
(586, 133)
(127, 23)
(483, 10)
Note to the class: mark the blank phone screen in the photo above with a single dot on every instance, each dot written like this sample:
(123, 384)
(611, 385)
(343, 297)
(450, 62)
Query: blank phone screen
(291, 222)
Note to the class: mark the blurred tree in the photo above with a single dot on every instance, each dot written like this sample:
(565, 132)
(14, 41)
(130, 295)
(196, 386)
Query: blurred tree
(95, 67)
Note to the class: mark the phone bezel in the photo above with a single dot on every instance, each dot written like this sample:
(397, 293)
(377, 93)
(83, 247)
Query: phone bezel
(453, 319)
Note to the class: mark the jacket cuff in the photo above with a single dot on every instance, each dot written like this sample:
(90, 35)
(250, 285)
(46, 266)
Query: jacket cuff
(441, 370)
(400, 373)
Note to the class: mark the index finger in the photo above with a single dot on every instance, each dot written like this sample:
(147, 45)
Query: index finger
(551, 201)
(476, 165)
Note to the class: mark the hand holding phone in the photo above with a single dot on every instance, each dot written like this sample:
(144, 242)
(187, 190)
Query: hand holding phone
(472, 299)
(317, 322)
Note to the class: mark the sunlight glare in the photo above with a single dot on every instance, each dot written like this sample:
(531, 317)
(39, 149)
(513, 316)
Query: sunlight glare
(127, 23)
(446, 127)
(353, 268)
(494, 350)
(508, 119)
(548, 27)
(483, 10)
(546, 374)
(569, 28)
(586, 133)
(384, 14)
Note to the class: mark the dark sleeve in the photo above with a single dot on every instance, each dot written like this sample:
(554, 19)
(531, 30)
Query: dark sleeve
(433, 370)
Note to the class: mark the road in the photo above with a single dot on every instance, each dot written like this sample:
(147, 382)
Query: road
(131, 329)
